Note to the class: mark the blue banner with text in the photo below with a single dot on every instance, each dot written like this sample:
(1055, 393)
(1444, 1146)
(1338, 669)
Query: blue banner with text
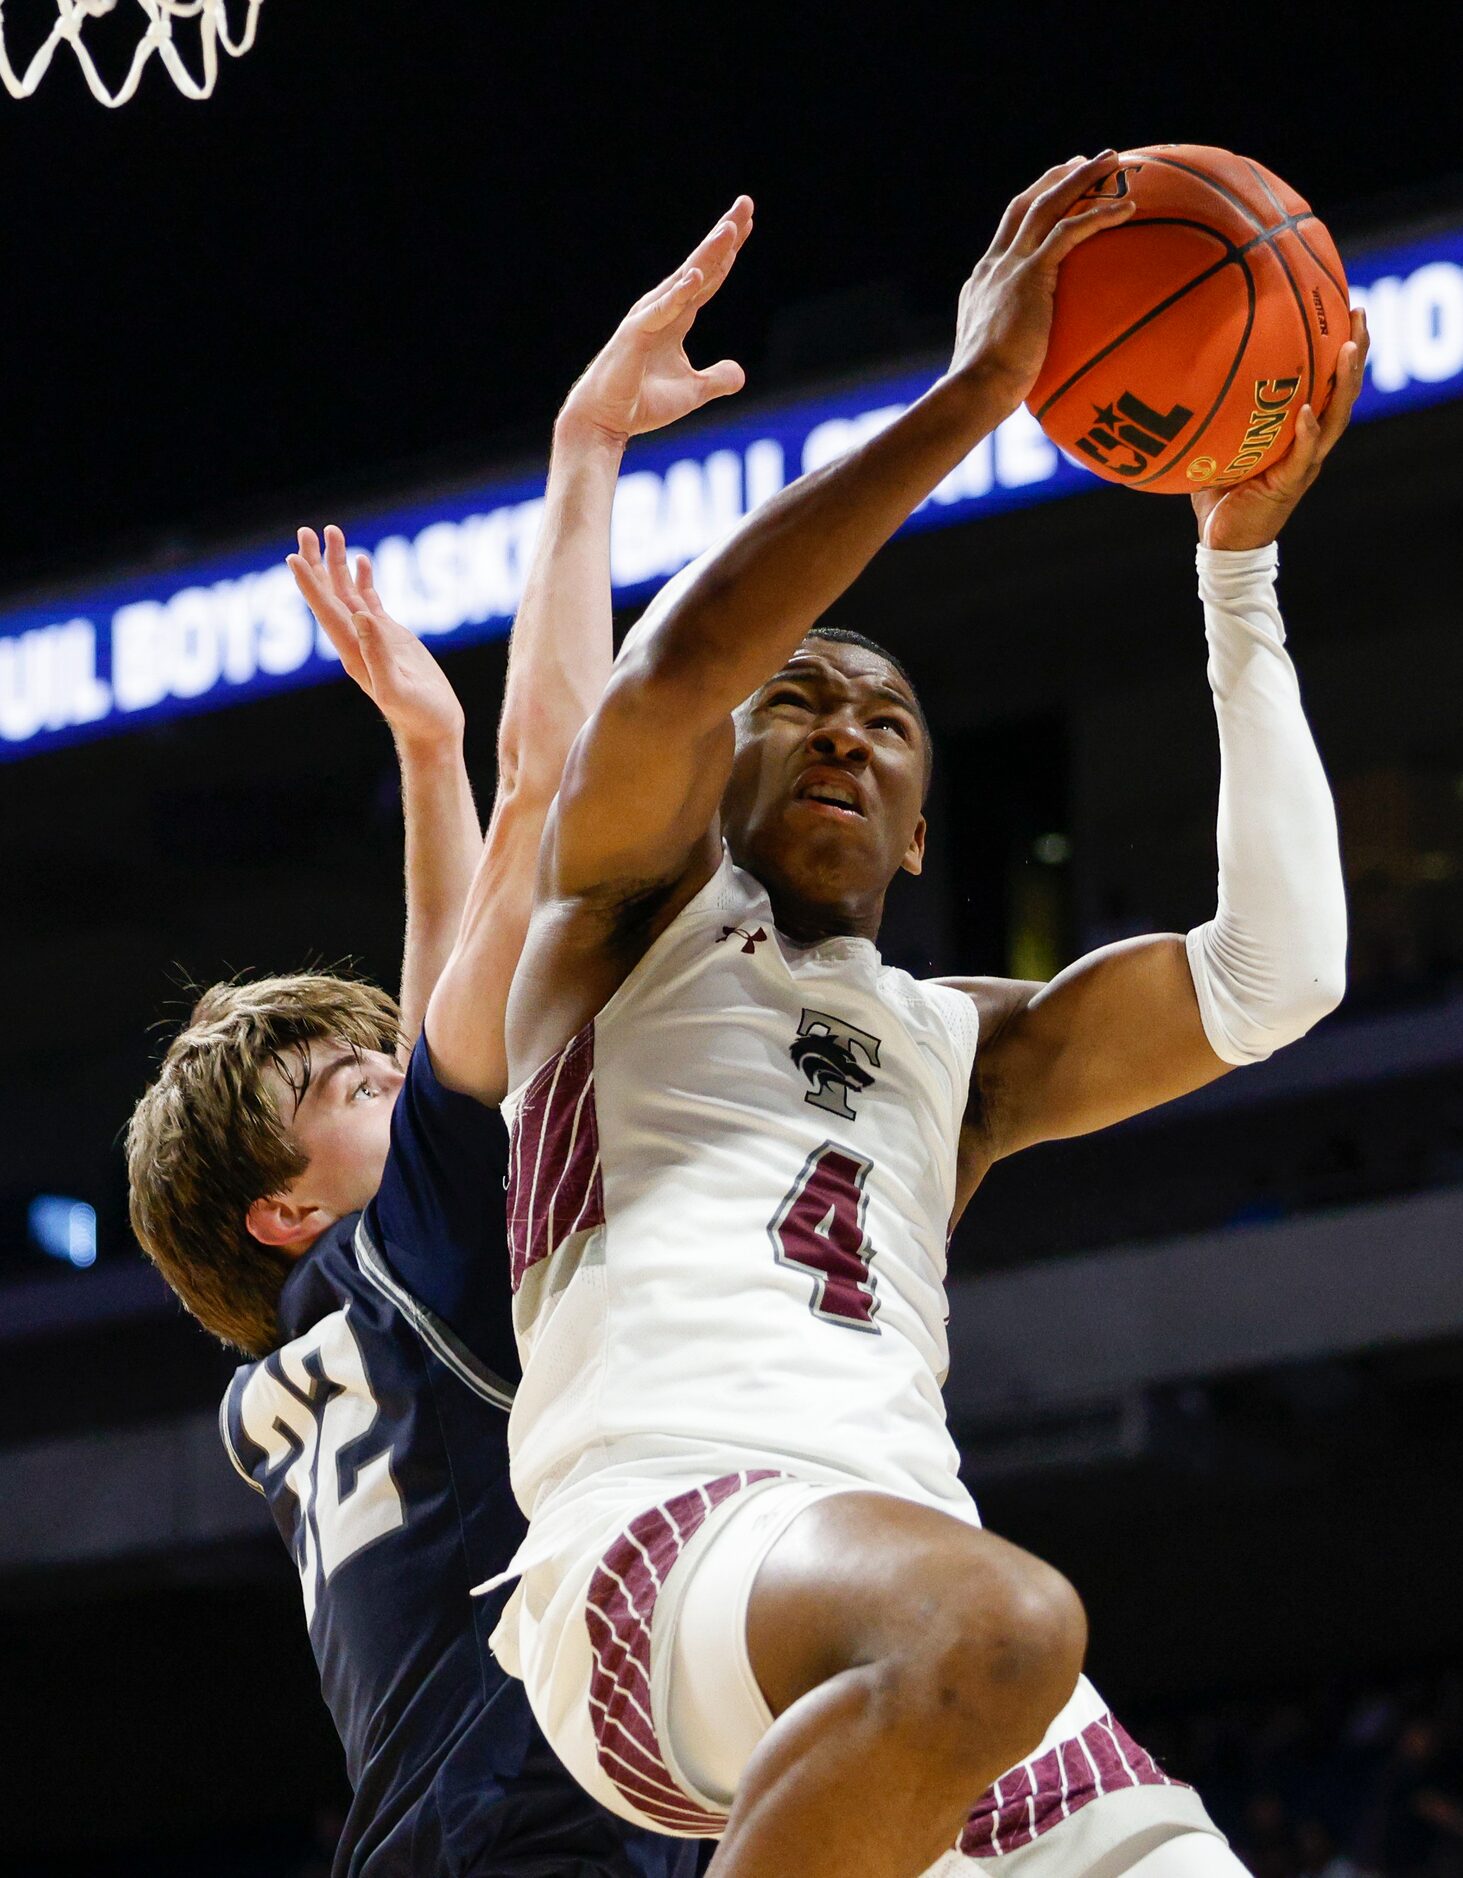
(191, 638)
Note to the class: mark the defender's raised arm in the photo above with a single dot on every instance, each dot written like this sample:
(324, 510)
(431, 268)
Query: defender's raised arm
(412, 692)
(562, 643)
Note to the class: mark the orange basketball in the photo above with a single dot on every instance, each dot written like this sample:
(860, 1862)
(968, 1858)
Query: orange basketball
(1185, 342)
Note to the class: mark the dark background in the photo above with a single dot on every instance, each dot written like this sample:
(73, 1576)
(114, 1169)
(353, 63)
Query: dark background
(373, 262)
(394, 235)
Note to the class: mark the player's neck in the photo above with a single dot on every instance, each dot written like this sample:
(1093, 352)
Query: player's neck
(808, 922)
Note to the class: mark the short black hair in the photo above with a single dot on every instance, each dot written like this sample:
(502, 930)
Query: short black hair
(846, 636)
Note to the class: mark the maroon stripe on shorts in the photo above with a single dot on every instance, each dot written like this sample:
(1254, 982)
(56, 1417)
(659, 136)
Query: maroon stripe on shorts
(1041, 1793)
(554, 1183)
(619, 1614)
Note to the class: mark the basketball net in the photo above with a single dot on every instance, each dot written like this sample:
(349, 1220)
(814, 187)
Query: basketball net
(70, 28)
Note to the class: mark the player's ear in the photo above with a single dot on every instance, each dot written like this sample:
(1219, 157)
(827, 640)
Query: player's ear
(914, 854)
(285, 1224)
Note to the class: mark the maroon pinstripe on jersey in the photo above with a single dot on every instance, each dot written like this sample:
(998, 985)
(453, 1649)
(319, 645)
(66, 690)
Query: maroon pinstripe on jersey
(620, 1611)
(555, 1187)
(1042, 1792)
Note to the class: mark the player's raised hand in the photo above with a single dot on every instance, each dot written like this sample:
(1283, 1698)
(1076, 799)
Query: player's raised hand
(391, 665)
(642, 380)
(1005, 317)
(1253, 513)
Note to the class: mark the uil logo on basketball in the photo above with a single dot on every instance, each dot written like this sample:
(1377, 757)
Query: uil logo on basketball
(827, 1051)
(1126, 435)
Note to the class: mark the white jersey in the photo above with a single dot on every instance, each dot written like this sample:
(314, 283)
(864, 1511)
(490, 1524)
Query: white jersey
(729, 1200)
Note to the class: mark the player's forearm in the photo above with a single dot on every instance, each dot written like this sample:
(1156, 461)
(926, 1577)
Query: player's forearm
(562, 646)
(726, 631)
(443, 841)
(558, 664)
(1272, 961)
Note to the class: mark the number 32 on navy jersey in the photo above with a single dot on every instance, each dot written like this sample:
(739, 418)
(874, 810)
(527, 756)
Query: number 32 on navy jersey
(309, 1410)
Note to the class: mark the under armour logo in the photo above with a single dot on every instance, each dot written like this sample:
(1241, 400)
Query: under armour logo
(750, 940)
(824, 1051)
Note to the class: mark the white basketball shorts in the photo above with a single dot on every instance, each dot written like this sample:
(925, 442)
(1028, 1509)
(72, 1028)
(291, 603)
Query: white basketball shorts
(635, 1660)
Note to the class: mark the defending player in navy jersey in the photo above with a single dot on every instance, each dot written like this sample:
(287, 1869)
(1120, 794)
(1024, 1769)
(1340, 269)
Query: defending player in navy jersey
(756, 1597)
(336, 1212)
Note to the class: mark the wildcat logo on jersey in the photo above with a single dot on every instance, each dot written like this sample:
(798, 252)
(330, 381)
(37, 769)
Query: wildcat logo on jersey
(1124, 437)
(827, 1051)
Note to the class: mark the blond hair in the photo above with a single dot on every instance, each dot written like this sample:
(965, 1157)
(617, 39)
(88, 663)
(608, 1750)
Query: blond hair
(207, 1139)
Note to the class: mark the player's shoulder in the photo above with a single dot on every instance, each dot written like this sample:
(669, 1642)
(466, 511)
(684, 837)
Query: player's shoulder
(429, 1110)
(322, 1284)
(995, 1000)
(322, 1281)
(940, 1022)
(641, 944)
(348, 1324)
(447, 1150)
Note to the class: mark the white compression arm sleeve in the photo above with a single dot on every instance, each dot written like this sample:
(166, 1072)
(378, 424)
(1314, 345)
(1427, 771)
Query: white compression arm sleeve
(1272, 961)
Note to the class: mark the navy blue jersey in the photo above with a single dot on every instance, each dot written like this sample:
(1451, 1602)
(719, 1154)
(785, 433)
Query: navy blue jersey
(378, 1435)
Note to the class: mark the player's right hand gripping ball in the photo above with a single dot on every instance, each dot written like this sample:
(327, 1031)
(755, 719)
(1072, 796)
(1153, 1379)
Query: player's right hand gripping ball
(1185, 341)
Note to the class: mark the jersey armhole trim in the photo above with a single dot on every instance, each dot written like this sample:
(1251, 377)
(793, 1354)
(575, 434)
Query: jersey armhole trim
(961, 1020)
(229, 1448)
(443, 1342)
(696, 907)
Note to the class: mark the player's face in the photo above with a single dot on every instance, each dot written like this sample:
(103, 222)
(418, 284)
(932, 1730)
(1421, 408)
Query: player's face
(827, 781)
(343, 1123)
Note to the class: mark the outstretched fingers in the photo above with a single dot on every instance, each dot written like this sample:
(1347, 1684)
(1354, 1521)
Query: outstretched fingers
(701, 274)
(1301, 464)
(313, 580)
(670, 303)
(725, 235)
(337, 563)
(375, 653)
(1073, 230)
(308, 567)
(1316, 436)
(711, 257)
(1350, 372)
(722, 246)
(1052, 203)
(1018, 206)
(365, 574)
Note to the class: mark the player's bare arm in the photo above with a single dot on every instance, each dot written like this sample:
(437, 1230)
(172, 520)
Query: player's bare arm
(562, 646)
(636, 830)
(1122, 1030)
(414, 695)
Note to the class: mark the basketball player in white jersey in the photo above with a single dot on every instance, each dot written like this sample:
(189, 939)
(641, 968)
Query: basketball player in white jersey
(755, 1599)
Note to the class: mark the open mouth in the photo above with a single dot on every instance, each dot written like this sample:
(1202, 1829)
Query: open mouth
(833, 794)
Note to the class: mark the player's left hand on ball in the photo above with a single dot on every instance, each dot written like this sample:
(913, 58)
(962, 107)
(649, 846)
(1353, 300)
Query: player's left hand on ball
(642, 380)
(1253, 513)
(391, 665)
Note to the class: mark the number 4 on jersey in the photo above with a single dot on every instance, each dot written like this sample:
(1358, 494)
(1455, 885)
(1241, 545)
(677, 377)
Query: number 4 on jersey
(820, 1229)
